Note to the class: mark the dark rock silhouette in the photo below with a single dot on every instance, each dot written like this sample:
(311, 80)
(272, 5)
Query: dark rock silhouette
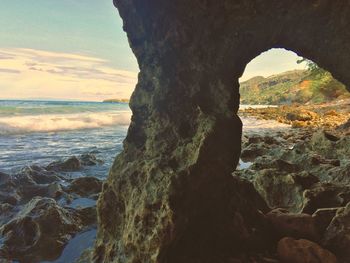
(170, 196)
(303, 251)
(337, 235)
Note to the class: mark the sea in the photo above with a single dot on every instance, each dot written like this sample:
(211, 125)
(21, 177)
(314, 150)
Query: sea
(40, 132)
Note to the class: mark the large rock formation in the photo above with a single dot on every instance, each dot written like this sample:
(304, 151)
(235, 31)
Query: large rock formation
(170, 196)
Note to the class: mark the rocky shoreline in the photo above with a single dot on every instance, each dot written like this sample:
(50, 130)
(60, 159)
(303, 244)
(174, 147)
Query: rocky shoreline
(299, 176)
(43, 208)
(303, 175)
(326, 115)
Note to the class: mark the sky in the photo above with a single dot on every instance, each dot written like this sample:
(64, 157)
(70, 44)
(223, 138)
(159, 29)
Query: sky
(77, 50)
(272, 62)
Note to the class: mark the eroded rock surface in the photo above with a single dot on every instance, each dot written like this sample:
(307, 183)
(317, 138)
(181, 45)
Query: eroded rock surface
(39, 232)
(170, 196)
(42, 209)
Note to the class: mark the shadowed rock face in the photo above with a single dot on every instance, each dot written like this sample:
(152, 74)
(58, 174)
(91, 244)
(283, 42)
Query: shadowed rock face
(170, 196)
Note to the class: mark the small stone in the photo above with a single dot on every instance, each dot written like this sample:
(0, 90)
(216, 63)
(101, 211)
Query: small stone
(293, 225)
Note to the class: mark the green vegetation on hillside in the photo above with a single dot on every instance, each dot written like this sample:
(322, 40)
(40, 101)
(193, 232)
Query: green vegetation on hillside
(314, 85)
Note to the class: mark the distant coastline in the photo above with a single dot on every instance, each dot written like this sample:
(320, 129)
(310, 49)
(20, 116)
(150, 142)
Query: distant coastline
(117, 100)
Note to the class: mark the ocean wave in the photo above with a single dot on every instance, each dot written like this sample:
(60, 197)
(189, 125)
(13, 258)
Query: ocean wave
(253, 124)
(62, 122)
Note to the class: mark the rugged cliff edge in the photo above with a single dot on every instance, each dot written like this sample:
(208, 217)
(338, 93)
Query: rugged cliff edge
(170, 196)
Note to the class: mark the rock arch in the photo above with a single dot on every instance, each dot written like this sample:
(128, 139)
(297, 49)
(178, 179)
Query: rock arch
(170, 196)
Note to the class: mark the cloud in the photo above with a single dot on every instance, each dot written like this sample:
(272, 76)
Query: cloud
(47, 74)
(12, 71)
(4, 55)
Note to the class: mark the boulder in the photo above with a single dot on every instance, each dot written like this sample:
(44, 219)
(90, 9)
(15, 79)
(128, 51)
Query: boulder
(8, 193)
(317, 159)
(294, 225)
(343, 147)
(89, 159)
(4, 178)
(39, 232)
(30, 182)
(11, 198)
(303, 251)
(330, 146)
(255, 139)
(70, 165)
(305, 179)
(88, 215)
(85, 186)
(40, 175)
(337, 235)
(325, 195)
(279, 189)
(301, 115)
(252, 151)
(6, 212)
(266, 161)
(299, 124)
(345, 127)
(27, 192)
(340, 174)
(323, 217)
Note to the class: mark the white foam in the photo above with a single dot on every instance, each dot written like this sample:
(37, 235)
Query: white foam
(252, 124)
(61, 122)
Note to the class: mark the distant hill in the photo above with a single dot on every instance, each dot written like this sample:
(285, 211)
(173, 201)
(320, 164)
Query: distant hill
(117, 100)
(297, 86)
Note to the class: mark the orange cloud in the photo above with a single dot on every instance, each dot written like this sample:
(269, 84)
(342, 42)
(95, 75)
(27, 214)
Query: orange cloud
(29, 73)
